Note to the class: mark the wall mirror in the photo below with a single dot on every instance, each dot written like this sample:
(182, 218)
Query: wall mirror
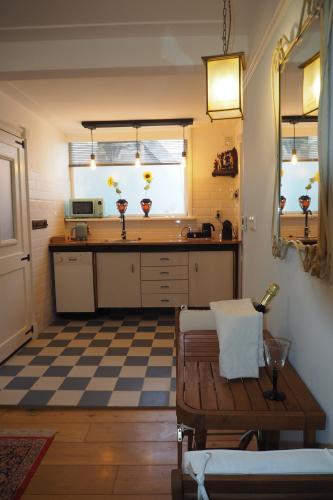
(304, 130)
(299, 91)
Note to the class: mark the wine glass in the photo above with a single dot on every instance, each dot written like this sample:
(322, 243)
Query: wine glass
(276, 353)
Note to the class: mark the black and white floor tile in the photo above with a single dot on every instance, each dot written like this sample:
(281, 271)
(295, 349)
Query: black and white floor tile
(116, 361)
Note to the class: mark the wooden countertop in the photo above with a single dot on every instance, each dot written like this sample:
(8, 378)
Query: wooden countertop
(102, 245)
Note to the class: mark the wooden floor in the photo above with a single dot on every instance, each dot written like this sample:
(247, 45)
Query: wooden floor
(96, 454)
(114, 454)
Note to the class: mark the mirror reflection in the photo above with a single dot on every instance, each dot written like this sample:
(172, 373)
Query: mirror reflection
(299, 167)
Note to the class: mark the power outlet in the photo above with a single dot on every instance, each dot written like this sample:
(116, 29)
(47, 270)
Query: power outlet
(252, 222)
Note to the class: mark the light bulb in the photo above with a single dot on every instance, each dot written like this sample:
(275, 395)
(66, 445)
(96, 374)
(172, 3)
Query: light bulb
(294, 158)
(92, 162)
(225, 89)
(184, 159)
(137, 162)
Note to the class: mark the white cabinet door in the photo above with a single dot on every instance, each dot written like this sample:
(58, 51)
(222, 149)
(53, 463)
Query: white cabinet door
(211, 277)
(118, 279)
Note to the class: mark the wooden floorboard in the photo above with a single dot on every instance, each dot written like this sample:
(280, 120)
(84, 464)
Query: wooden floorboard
(97, 454)
(103, 454)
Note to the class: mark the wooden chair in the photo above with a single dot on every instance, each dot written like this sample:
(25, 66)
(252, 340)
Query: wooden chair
(255, 487)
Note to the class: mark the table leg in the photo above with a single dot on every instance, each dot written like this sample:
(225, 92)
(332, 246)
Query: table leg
(270, 440)
(200, 437)
(309, 438)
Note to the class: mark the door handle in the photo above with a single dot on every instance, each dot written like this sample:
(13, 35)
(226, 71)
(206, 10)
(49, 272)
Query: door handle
(196, 267)
(27, 257)
(132, 268)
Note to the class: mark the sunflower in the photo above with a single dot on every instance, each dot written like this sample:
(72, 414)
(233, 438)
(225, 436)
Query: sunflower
(148, 176)
(112, 183)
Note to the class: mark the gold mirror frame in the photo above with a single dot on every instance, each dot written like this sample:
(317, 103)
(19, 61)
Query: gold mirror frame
(311, 255)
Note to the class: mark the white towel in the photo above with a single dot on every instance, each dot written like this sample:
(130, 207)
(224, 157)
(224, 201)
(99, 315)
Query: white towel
(239, 328)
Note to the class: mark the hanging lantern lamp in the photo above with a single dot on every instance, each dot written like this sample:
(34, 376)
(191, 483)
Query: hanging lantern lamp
(311, 85)
(224, 77)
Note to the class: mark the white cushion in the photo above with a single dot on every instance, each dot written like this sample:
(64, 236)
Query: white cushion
(196, 319)
(302, 461)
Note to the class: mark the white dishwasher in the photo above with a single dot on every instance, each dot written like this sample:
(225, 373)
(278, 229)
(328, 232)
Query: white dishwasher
(74, 281)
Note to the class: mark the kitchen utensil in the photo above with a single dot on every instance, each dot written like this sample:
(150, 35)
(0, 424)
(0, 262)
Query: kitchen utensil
(227, 230)
(79, 232)
(207, 229)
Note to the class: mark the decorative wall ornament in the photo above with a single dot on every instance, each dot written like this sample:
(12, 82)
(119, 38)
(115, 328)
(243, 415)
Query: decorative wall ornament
(317, 259)
(226, 163)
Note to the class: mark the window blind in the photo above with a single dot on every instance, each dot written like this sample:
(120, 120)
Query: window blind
(161, 152)
(306, 147)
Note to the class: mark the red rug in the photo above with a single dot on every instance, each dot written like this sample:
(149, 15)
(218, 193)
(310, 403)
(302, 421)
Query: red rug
(19, 459)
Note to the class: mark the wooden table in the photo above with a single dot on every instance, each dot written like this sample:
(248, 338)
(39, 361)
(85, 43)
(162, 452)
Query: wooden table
(207, 401)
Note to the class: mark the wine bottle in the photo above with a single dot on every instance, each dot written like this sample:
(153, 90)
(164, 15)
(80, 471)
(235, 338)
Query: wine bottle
(271, 291)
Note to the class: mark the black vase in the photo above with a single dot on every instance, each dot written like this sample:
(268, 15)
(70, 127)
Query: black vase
(304, 202)
(145, 205)
(121, 206)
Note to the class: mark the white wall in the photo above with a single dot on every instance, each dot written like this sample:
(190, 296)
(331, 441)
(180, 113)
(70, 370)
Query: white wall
(47, 161)
(303, 309)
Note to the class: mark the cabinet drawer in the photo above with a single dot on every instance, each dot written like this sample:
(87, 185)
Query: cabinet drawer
(164, 259)
(164, 273)
(171, 286)
(164, 299)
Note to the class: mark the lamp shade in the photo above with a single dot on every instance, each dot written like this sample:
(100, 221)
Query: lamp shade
(311, 85)
(224, 75)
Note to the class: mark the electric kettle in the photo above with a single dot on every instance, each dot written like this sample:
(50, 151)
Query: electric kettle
(207, 230)
(80, 231)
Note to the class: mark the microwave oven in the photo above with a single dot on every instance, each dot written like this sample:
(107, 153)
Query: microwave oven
(86, 207)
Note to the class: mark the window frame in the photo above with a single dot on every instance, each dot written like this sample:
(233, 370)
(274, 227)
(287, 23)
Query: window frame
(187, 183)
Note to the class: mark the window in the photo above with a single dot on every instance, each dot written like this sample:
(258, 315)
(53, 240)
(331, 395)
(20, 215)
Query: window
(296, 177)
(116, 159)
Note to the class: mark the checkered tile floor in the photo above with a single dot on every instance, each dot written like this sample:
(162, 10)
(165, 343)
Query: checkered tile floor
(116, 361)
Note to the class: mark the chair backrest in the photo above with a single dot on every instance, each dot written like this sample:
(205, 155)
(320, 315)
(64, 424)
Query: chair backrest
(258, 487)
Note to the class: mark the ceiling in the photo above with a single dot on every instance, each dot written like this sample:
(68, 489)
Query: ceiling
(73, 60)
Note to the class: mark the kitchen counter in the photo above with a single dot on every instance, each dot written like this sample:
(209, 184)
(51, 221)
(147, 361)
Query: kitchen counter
(153, 273)
(58, 244)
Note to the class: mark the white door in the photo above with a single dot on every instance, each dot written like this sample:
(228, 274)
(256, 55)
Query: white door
(15, 265)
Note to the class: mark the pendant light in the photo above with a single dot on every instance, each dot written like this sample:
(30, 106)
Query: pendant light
(311, 85)
(184, 158)
(137, 162)
(294, 158)
(224, 77)
(92, 156)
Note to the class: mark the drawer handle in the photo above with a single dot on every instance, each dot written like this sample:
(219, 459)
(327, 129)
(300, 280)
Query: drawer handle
(74, 259)
(164, 272)
(196, 267)
(132, 268)
(164, 286)
(165, 300)
(164, 258)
